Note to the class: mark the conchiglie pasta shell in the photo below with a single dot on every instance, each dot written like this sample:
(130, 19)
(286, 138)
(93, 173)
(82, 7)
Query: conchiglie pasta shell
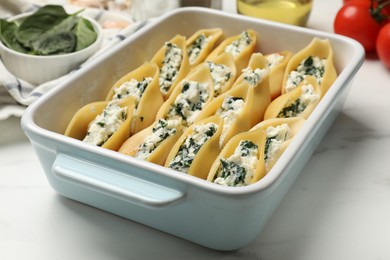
(242, 59)
(225, 59)
(286, 99)
(257, 137)
(294, 123)
(317, 47)
(261, 92)
(215, 35)
(185, 67)
(201, 75)
(78, 126)
(206, 155)
(151, 100)
(277, 74)
(158, 156)
(257, 61)
(243, 121)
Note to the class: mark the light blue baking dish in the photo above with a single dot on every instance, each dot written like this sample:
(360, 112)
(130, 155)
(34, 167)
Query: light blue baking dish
(217, 217)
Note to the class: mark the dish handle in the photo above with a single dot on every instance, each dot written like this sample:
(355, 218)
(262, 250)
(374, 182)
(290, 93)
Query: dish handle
(113, 183)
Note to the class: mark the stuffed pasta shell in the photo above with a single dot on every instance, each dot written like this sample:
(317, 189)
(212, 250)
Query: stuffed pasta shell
(239, 46)
(201, 43)
(235, 107)
(240, 162)
(152, 143)
(299, 102)
(142, 84)
(190, 96)
(277, 62)
(315, 60)
(172, 60)
(256, 77)
(103, 123)
(279, 133)
(222, 71)
(197, 148)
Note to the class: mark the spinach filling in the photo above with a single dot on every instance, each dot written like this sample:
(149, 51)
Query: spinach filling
(161, 131)
(189, 103)
(196, 47)
(191, 147)
(132, 88)
(233, 171)
(228, 168)
(309, 68)
(292, 110)
(170, 66)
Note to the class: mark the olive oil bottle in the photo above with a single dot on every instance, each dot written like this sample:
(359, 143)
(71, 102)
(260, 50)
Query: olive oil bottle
(294, 12)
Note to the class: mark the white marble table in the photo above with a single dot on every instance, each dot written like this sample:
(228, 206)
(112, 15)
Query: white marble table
(339, 208)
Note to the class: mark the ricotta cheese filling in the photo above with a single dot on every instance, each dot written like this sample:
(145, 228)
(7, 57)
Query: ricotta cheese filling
(237, 46)
(132, 88)
(196, 47)
(230, 109)
(311, 66)
(106, 124)
(296, 108)
(253, 77)
(160, 131)
(274, 59)
(191, 146)
(239, 168)
(275, 136)
(189, 102)
(170, 66)
(220, 74)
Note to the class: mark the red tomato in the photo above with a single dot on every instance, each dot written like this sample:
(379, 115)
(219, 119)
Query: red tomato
(354, 20)
(383, 45)
(385, 10)
(348, 1)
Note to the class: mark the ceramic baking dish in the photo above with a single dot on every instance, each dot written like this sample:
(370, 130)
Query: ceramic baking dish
(223, 218)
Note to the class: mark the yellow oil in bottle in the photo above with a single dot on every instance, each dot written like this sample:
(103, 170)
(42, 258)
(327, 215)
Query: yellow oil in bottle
(294, 12)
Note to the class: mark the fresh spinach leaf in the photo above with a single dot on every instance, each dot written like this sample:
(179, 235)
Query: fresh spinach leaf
(39, 22)
(86, 34)
(50, 30)
(7, 36)
(59, 43)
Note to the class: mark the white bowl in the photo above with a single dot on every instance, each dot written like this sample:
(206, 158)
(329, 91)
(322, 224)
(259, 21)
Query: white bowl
(37, 69)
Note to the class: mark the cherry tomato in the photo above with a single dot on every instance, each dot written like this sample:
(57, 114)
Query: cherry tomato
(385, 10)
(348, 1)
(383, 45)
(354, 20)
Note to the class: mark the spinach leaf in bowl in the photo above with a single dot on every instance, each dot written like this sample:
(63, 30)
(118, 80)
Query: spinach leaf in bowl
(48, 31)
(7, 36)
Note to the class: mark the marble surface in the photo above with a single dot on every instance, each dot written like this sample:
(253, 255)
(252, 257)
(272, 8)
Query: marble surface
(339, 207)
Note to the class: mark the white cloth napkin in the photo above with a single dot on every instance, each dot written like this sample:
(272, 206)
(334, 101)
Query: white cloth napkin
(16, 94)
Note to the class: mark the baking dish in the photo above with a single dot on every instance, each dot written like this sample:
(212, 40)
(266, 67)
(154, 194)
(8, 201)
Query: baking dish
(222, 218)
